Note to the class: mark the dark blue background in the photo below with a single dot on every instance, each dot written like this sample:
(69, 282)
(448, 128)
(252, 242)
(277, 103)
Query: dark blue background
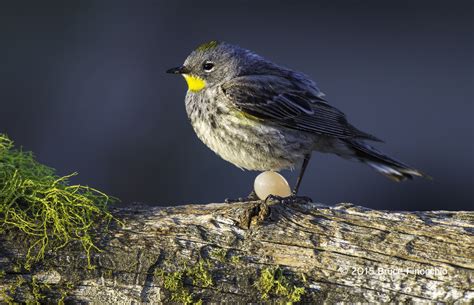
(83, 86)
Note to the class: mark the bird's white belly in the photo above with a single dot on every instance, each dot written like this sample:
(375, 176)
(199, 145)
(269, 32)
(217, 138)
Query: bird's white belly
(251, 146)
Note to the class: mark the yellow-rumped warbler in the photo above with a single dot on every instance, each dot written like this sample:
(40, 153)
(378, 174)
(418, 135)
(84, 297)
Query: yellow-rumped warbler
(261, 116)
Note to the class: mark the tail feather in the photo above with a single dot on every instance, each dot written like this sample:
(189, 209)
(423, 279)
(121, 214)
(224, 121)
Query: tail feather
(382, 163)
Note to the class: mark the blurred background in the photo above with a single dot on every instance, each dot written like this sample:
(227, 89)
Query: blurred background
(82, 85)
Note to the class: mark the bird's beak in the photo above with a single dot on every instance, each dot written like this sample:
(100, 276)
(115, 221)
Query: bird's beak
(178, 70)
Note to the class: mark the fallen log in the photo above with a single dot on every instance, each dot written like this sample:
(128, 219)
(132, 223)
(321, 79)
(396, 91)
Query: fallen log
(254, 252)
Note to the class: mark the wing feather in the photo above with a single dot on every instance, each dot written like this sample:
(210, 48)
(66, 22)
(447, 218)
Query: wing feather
(285, 102)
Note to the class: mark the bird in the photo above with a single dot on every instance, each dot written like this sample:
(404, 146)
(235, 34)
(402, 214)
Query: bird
(262, 116)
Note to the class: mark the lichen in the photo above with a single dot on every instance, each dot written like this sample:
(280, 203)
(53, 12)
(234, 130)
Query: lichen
(45, 206)
(272, 281)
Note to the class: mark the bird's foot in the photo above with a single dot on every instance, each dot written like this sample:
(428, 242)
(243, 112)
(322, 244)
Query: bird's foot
(290, 199)
(251, 197)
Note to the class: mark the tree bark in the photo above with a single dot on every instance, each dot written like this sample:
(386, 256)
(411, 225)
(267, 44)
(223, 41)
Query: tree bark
(256, 252)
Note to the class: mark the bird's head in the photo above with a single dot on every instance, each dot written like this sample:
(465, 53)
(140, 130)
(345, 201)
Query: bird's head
(212, 63)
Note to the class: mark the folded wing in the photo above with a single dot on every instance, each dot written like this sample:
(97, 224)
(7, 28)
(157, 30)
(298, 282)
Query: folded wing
(277, 99)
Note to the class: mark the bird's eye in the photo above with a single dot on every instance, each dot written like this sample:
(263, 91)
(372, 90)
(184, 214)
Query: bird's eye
(208, 66)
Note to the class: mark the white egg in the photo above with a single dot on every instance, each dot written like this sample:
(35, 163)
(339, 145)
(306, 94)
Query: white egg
(271, 183)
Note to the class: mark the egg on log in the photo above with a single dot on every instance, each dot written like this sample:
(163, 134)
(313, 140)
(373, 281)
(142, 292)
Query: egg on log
(271, 183)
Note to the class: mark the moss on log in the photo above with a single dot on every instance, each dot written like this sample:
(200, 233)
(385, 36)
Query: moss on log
(254, 252)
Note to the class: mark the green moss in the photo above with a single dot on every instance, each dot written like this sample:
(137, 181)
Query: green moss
(235, 259)
(36, 289)
(64, 294)
(219, 254)
(64, 291)
(9, 291)
(4, 295)
(222, 255)
(44, 206)
(272, 281)
(200, 273)
(174, 282)
(108, 273)
(296, 293)
(16, 267)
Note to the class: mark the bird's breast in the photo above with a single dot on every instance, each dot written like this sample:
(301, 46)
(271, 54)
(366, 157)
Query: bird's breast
(242, 139)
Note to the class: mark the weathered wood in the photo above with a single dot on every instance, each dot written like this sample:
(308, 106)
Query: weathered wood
(340, 253)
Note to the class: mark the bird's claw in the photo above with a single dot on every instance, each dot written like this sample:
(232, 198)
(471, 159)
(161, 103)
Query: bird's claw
(290, 199)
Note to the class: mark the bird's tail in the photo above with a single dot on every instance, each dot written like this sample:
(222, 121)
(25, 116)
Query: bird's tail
(382, 163)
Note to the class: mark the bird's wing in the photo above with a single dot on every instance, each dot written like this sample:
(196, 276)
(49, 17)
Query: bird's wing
(286, 103)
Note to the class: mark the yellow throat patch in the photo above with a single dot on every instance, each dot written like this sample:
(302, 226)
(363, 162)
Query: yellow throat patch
(195, 83)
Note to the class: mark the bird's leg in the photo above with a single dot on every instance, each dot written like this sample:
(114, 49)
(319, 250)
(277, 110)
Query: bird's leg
(307, 157)
(253, 196)
(294, 198)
